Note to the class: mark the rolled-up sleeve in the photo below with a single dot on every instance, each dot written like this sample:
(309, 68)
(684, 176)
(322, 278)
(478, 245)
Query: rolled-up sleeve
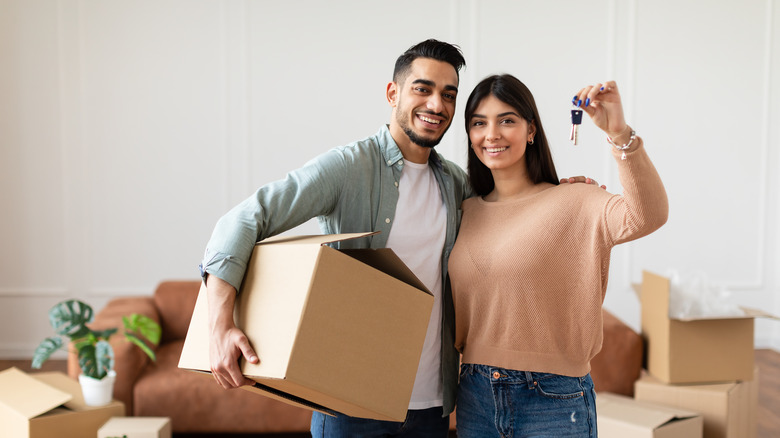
(304, 193)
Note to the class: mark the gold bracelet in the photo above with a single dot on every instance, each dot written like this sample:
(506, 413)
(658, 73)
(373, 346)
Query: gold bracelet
(625, 146)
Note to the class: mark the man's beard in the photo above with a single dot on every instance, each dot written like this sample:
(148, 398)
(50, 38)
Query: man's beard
(420, 141)
(405, 124)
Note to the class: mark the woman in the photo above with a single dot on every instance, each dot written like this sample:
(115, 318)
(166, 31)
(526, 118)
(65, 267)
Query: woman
(529, 268)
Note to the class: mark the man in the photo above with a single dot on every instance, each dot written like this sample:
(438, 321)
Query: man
(392, 182)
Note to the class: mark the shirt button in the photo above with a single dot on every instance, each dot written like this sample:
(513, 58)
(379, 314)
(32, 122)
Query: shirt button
(389, 161)
(496, 374)
(387, 221)
(396, 183)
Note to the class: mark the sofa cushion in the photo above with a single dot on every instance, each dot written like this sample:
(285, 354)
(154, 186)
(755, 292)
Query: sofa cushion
(175, 301)
(197, 404)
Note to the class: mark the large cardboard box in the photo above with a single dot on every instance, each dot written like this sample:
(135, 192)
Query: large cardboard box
(335, 330)
(728, 409)
(44, 405)
(619, 416)
(698, 350)
(136, 427)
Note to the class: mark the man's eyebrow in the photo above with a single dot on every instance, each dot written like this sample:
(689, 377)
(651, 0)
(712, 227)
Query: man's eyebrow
(433, 84)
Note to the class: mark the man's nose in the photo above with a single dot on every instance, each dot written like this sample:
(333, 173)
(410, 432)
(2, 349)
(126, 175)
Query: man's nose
(435, 103)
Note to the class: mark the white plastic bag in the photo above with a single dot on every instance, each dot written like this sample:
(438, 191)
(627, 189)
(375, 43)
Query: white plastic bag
(694, 296)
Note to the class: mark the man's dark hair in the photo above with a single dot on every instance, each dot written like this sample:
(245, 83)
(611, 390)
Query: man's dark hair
(433, 49)
(538, 158)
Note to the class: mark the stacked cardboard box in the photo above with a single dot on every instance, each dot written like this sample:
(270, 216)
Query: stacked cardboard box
(620, 417)
(704, 365)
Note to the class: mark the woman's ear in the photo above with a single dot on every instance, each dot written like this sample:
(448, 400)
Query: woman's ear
(531, 131)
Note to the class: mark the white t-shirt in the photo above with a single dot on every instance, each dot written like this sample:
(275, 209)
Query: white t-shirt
(417, 237)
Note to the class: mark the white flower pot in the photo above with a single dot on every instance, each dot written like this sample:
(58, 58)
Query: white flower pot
(98, 392)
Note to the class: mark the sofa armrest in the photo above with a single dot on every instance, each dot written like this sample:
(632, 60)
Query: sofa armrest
(618, 365)
(129, 360)
(175, 300)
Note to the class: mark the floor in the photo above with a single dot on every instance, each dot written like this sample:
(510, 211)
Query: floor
(768, 362)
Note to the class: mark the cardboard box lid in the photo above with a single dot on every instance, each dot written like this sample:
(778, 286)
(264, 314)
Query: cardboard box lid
(29, 396)
(659, 302)
(649, 415)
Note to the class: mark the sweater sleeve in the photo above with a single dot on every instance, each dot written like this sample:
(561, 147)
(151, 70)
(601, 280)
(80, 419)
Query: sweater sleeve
(643, 207)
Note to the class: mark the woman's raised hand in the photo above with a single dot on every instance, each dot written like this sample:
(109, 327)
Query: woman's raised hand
(603, 105)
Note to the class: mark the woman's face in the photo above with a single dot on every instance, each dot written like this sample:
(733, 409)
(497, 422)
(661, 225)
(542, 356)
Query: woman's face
(499, 135)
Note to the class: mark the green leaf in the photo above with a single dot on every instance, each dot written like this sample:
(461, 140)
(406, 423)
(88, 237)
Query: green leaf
(143, 327)
(69, 318)
(97, 360)
(88, 361)
(44, 350)
(104, 334)
(105, 357)
(137, 341)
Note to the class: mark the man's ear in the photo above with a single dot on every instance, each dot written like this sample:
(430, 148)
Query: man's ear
(392, 94)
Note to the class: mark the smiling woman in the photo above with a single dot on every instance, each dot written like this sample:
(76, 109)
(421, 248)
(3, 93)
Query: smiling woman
(528, 323)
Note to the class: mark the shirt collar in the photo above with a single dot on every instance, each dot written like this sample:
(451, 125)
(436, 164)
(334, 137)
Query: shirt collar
(392, 153)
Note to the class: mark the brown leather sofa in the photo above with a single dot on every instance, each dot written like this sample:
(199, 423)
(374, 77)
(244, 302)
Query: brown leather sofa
(196, 404)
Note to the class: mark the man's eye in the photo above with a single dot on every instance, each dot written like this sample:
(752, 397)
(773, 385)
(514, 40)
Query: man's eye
(449, 96)
(421, 90)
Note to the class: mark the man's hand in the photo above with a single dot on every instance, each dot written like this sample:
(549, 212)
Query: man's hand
(227, 343)
(581, 179)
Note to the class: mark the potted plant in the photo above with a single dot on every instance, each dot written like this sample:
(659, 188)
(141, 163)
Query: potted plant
(96, 357)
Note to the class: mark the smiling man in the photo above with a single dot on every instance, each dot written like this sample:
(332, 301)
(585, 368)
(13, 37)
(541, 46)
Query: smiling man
(393, 182)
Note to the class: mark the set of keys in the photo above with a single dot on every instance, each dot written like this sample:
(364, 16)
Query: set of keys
(576, 121)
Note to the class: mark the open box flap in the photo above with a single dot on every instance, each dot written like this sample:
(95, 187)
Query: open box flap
(649, 415)
(29, 396)
(314, 239)
(748, 311)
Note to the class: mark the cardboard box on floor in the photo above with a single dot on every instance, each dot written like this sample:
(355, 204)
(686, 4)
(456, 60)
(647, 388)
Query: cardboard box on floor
(620, 417)
(136, 427)
(728, 409)
(335, 330)
(698, 350)
(44, 405)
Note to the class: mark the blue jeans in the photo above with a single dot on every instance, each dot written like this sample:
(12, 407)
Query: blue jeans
(421, 423)
(494, 402)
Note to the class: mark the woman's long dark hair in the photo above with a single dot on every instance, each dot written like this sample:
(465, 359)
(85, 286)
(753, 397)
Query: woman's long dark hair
(538, 159)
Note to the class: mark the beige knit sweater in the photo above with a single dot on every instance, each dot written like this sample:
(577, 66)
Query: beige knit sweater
(529, 275)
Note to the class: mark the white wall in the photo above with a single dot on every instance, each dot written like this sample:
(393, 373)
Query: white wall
(128, 127)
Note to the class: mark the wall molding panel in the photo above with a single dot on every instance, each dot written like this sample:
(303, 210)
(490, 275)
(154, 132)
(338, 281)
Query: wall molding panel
(133, 126)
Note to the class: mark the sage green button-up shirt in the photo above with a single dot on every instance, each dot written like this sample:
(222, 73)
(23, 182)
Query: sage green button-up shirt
(350, 189)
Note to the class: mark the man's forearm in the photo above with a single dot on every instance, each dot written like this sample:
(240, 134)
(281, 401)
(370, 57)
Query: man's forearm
(221, 299)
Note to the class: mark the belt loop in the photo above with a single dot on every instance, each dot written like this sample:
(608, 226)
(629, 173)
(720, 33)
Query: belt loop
(529, 380)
